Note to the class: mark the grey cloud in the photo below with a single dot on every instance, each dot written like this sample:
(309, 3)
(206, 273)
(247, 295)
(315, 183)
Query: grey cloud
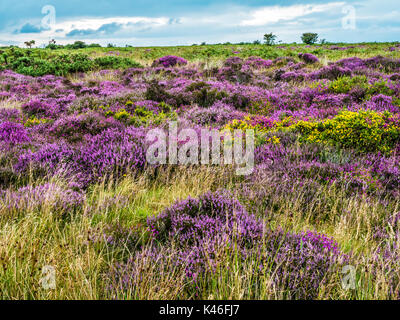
(105, 29)
(30, 28)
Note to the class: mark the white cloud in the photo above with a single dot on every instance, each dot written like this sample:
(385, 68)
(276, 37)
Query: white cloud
(95, 23)
(267, 15)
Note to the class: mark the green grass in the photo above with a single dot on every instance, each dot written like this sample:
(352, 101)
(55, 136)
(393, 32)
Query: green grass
(209, 54)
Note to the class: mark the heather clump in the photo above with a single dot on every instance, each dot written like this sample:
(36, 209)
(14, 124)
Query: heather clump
(111, 153)
(331, 72)
(74, 127)
(234, 70)
(199, 235)
(169, 61)
(308, 57)
(217, 115)
(257, 62)
(39, 109)
(49, 195)
(13, 133)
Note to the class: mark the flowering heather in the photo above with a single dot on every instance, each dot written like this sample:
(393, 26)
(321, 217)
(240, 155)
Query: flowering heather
(47, 195)
(77, 192)
(206, 228)
(218, 115)
(331, 72)
(258, 63)
(39, 109)
(169, 61)
(13, 133)
(74, 128)
(308, 57)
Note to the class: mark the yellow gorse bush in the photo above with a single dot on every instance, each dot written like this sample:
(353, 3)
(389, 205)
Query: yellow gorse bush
(262, 129)
(365, 130)
(35, 121)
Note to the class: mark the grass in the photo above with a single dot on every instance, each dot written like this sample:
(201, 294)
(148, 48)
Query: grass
(212, 55)
(38, 237)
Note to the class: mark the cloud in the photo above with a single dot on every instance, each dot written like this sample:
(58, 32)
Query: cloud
(112, 26)
(274, 14)
(105, 29)
(30, 28)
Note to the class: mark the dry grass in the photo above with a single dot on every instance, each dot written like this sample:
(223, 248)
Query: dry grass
(10, 104)
(38, 237)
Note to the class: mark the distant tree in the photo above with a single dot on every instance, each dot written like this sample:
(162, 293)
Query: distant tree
(29, 44)
(203, 44)
(52, 45)
(256, 42)
(309, 38)
(110, 45)
(79, 45)
(269, 39)
(94, 45)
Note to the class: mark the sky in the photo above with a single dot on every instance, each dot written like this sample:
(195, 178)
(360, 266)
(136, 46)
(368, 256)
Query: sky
(183, 22)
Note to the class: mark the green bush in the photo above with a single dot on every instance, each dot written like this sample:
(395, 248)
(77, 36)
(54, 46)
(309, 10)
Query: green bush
(345, 84)
(39, 63)
(111, 62)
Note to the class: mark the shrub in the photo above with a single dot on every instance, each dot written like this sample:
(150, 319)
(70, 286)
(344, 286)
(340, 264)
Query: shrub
(331, 72)
(169, 61)
(345, 84)
(200, 237)
(39, 109)
(73, 128)
(111, 62)
(309, 38)
(111, 153)
(308, 57)
(367, 131)
(218, 114)
(257, 62)
(13, 133)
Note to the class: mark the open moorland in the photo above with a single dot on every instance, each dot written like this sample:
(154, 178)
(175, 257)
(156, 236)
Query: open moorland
(318, 218)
